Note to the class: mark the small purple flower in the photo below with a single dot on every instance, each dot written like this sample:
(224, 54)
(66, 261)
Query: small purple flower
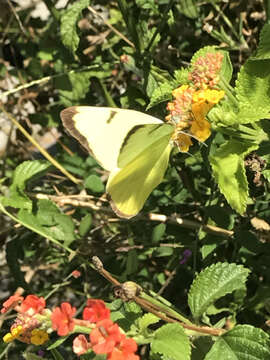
(41, 353)
(185, 256)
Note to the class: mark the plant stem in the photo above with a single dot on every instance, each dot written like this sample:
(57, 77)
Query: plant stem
(224, 85)
(152, 305)
(42, 151)
(130, 22)
(52, 9)
(160, 26)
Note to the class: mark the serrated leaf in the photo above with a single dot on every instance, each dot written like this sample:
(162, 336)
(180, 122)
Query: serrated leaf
(146, 320)
(155, 78)
(229, 172)
(24, 173)
(263, 51)
(68, 28)
(29, 170)
(252, 91)
(75, 88)
(244, 342)
(181, 77)
(171, 341)
(213, 283)
(160, 94)
(49, 221)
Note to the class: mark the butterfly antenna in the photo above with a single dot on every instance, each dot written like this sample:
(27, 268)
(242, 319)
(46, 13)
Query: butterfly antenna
(193, 137)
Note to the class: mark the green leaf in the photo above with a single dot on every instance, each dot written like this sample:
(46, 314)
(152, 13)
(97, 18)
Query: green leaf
(252, 91)
(94, 183)
(74, 87)
(31, 356)
(227, 163)
(181, 77)
(189, 8)
(244, 342)
(155, 78)
(158, 232)
(171, 341)
(160, 94)
(58, 342)
(263, 51)
(213, 283)
(145, 321)
(56, 355)
(24, 173)
(68, 29)
(85, 225)
(49, 221)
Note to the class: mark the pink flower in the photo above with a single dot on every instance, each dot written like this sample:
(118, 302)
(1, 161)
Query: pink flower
(80, 345)
(62, 319)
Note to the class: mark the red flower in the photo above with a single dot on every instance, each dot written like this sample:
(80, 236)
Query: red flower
(32, 304)
(80, 345)
(95, 311)
(62, 319)
(105, 336)
(11, 302)
(76, 274)
(125, 350)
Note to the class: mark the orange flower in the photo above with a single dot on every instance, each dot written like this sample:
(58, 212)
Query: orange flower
(95, 311)
(33, 304)
(125, 350)
(105, 336)
(62, 319)
(11, 303)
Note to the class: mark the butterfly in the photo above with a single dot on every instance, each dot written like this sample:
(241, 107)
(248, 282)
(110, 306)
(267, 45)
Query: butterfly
(134, 147)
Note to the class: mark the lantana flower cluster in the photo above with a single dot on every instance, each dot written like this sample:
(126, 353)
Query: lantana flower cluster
(192, 102)
(34, 323)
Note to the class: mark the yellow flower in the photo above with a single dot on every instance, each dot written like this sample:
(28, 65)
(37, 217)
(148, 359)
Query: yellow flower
(188, 112)
(15, 332)
(39, 337)
(8, 338)
(200, 129)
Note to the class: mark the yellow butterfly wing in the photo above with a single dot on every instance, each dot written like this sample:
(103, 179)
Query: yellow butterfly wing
(102, 130)
(132, 145)
(130, 186)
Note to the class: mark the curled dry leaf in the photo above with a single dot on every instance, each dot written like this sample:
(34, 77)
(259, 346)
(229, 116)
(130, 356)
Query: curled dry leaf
(260, 224)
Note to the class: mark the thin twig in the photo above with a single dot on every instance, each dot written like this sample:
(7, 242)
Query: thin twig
(112, 27)
(17, 18)
(173, 219)
(164, 313)
(44, 80)
(36, 144)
